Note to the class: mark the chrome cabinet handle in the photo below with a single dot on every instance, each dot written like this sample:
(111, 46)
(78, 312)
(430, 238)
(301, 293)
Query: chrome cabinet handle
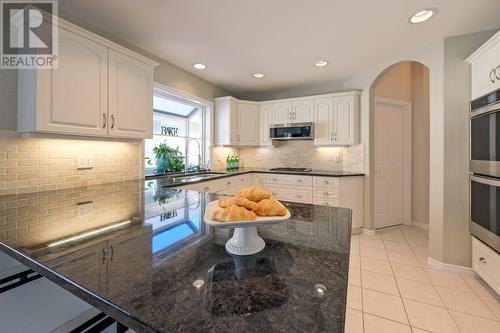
(326, 193)
(326, 204)
(299, 195)
(483, 260)
(275, 179)
(497, 72)
(300, 181)
(112, 253)
(229, 183)
(491, 73)
(112, 121)
(103, 256)
(104, 120)
(206, 188)
(326, 182)
(274, 194)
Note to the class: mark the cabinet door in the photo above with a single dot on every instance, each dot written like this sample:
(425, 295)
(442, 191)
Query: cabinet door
(128, 267)
(343, 120)
(302, 111)
(281, 113)
(73, 99)
(86, 267)
(248, 124)
(483, 78)
(130, 97)
(266, 115)
(323, 130)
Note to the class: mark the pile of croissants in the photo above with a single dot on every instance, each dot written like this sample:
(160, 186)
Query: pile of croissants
(248, 203)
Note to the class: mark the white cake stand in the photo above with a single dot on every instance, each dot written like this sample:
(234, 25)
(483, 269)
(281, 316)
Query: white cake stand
(245, 241)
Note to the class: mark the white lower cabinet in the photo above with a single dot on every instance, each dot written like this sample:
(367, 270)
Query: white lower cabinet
(344, 192)
(486, 263)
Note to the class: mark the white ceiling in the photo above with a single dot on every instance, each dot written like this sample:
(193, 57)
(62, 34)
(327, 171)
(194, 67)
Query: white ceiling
(281, 38)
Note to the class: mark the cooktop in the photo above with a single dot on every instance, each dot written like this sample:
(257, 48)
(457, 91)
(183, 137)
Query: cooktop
(292, 169)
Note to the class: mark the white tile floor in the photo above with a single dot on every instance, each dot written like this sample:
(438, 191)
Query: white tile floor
(393, 289)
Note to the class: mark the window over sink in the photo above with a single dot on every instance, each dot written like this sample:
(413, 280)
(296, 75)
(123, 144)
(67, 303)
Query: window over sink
(180, 135)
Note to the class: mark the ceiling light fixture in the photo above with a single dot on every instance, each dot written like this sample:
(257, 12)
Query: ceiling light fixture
(423, 15)
(258, 75)
(199, 66)
(321, 63)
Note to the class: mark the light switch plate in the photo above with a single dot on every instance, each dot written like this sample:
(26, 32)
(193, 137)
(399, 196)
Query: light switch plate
(84, 208)
(84, 162)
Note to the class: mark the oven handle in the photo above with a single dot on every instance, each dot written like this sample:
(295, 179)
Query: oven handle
(486, 180)
(485, 110)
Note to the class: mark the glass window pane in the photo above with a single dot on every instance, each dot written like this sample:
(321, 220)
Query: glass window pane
(196, 126)
(168, 125)
(162, 103)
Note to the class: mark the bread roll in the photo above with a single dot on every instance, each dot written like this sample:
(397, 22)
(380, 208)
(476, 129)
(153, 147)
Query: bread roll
(234, 213)
(270, 207)
(253, 194)
(238, 201)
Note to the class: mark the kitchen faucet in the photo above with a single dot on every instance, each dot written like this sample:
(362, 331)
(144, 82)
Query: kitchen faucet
(187, 152)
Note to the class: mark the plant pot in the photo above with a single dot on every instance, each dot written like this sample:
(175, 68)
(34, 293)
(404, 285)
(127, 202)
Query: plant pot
(162, 164)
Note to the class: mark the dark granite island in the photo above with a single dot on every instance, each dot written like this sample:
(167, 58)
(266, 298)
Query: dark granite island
(144, 256)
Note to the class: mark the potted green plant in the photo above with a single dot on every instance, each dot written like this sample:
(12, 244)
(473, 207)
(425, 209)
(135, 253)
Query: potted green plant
(167, 159)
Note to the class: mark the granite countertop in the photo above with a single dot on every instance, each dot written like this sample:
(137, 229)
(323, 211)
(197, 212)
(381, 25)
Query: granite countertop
(177, 179)
(161, 269)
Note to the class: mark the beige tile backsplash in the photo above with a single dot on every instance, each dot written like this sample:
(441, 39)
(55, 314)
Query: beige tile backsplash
(40, 164)
(294, 154)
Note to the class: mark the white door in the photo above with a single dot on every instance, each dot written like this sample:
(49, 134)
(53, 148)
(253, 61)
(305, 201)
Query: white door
(391, 127)
(302, 111)
(266, 116)
(248, 124)
(281, 113)
(483, 72)
(73, 98)
(130, 97)
(343, 120)
(323, 130)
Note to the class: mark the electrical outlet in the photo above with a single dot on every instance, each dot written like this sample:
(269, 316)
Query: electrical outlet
(84, 162)
(354, 159)
(84, 208)
(337, 158)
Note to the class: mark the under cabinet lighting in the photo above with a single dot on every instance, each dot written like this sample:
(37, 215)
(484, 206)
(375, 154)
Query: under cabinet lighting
(423, 15)
(88, 234)
(258, 75)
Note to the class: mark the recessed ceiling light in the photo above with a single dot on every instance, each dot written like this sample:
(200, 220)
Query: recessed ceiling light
(199, 66)
(321, 63)
(423, 15)
(258, 75)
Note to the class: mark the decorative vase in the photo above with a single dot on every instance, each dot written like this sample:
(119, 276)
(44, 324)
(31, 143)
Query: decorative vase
(162, 164)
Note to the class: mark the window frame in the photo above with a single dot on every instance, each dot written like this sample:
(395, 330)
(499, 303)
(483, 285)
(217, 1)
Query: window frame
(206, 108)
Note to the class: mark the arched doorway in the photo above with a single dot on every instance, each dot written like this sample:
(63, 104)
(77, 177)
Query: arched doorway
(399, 146)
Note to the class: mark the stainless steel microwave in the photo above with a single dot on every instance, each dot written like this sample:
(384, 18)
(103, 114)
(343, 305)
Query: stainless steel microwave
(485, 135)
(485, 210)
(297, 131)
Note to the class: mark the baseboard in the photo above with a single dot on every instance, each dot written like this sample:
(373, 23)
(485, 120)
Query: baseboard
(449, 267)
(420, 225)
(357, 231)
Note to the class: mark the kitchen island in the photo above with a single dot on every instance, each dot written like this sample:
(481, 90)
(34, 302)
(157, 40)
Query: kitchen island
(144, 256)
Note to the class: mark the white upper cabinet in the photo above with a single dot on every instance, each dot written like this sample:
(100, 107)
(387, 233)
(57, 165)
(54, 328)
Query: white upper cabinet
(282, 113)
(265, 120)
(72, 98)
(99, 89)
(245, 123)
(345, 119)
(485, 68)
(130, 97)
(248, 124)
(302, 111)
(236, 122)
(323, 127)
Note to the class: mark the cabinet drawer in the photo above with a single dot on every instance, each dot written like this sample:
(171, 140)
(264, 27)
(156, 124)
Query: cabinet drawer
(325, 192)
(291, 193)
(486, 263)
(245, 180)
(326, 182)
(287, 180)
(325, 202)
